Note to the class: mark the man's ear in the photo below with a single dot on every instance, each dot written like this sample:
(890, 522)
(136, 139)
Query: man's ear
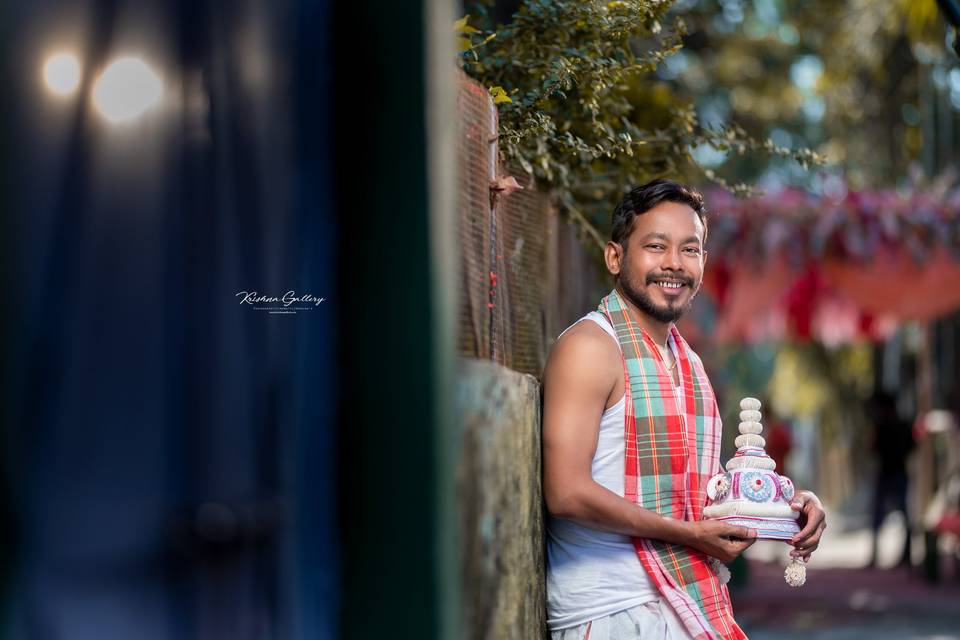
(613, 257)
(705, 254)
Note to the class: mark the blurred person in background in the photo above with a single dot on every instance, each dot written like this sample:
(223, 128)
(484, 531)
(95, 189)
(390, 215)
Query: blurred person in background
(624, 385)
(892, 441)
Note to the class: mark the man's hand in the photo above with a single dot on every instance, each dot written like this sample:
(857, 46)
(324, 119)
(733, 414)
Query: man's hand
(721, 540)
(812, 521)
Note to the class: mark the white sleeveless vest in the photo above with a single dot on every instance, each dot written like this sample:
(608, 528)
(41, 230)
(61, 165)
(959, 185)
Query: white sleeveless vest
(592, 573)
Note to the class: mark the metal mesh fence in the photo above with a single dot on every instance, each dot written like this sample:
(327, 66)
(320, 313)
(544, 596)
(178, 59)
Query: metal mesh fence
(526, 233)
(582, 280)
(525, 275)
(476, 154)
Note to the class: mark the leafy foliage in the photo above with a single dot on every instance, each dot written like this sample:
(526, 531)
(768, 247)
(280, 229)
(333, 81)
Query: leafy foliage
(580, 106)
(854, 80)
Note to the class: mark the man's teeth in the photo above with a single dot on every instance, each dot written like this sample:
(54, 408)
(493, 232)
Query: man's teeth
(671, 285)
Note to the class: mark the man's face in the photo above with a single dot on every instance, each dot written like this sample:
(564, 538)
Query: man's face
(662, 267)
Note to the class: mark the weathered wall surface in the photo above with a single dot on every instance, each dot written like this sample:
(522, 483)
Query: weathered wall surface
(500, 499)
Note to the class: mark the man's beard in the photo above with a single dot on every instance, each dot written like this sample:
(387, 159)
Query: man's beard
(666, 313)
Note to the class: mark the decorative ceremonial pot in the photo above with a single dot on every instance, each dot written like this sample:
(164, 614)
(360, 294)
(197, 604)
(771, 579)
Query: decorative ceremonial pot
(752, 494)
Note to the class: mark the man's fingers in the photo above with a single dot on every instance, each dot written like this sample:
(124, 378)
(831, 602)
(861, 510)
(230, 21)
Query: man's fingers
(745, 544)
(743, 533)
(804, 552)
(806, 532)
(814, 521)
(812, 543)
(739, 546)
(813, 538)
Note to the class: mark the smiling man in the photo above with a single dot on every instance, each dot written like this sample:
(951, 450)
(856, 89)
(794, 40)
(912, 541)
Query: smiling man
(631, 434)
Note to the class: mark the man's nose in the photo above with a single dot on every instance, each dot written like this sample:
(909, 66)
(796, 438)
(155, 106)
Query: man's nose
(671, 260)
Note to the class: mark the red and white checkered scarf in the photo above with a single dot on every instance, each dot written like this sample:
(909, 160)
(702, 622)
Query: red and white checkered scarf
(672, 450)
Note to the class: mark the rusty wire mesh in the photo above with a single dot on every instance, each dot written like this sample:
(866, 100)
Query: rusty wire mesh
(525, 274)
(581, 279)
(526, 232)
(476, 155)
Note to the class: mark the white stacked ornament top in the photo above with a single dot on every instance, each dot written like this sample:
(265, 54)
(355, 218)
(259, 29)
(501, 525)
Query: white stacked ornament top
(751, 493)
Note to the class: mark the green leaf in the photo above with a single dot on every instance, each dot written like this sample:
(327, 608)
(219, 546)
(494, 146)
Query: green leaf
(461, 26)
(499, 95)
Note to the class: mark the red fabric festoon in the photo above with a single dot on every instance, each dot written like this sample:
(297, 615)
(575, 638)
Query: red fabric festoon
(893, 283)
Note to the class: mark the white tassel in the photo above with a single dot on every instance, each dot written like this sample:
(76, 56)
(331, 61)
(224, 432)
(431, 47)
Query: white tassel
(723, 573)
(796, 573)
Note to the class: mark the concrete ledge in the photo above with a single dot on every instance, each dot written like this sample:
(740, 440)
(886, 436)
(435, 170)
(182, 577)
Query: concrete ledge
(500, 500)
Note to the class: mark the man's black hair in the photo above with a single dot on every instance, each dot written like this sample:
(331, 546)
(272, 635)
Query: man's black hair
(643, 198)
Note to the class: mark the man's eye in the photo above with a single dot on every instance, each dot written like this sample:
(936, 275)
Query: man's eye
(693, 250)
(657, 247)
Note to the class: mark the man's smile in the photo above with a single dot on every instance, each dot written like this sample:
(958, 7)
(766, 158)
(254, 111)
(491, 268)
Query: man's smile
(670, 286)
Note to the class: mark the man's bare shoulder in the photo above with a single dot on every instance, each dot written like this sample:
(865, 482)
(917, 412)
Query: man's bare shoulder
(588, 348)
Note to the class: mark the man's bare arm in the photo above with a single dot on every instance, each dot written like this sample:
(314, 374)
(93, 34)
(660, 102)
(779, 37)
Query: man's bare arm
(579, 376)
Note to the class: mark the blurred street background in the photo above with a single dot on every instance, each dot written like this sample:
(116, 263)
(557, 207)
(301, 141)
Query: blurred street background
(843, 597)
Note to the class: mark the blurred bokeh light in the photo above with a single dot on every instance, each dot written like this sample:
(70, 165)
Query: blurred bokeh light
(61, 73)
(126, 89)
